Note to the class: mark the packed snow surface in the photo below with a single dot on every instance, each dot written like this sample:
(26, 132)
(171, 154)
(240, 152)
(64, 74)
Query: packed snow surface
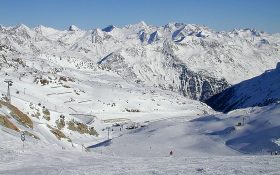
(199, 146)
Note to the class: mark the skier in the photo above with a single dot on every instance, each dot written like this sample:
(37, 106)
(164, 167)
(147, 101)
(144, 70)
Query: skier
(171, 153)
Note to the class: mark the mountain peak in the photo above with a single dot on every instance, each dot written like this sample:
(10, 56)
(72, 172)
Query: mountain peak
(138, 26)
(45, 30)
(142, 23)
(73, 28)
(21, 27)
(109, 28)
(154, 37)
(41, 27)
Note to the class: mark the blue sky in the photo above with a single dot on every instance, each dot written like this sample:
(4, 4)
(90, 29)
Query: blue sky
(87, 14)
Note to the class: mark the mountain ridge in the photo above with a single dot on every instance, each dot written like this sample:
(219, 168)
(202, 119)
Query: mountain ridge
(261, 90)
(150, 51)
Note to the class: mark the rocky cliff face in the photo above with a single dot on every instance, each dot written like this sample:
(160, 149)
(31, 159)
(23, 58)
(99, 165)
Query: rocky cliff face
(198, 86)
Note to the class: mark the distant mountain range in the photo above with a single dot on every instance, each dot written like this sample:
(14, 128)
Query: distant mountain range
(193, 60)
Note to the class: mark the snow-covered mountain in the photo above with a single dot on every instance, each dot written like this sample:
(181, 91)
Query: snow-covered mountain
(193, 60)
(258, 91)
(132, 94)
(72, 84)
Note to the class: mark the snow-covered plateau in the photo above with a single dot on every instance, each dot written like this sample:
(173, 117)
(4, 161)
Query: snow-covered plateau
(119, 100)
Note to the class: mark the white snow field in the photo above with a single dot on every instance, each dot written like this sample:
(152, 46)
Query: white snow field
(218, 134)
(199, 147)
(118, 100)
(68, 163)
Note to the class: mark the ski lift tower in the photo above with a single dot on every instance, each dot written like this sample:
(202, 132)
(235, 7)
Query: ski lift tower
(10, 83)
